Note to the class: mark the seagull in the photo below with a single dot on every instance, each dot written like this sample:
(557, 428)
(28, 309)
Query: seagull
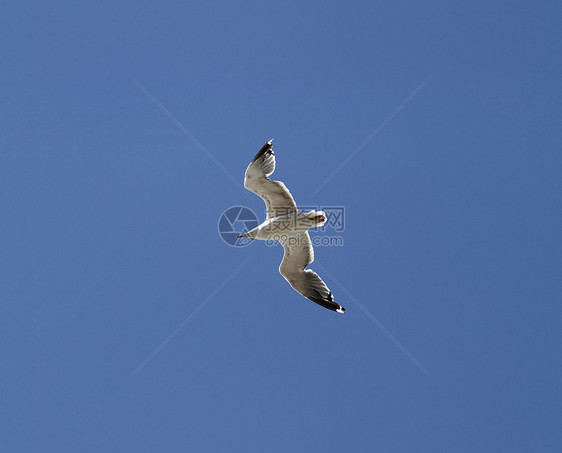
(288, 226)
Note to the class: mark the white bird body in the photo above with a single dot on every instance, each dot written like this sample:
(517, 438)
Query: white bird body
(288, 226)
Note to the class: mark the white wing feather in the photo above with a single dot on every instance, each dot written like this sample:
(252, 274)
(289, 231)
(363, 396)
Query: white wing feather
(299, 253)
(278, 199)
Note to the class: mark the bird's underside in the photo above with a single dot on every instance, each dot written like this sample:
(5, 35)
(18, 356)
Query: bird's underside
(297, 246)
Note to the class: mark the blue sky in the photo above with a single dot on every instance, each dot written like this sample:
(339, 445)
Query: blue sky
(109, 226)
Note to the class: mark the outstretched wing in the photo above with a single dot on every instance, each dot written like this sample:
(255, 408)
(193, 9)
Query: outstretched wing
(299, 254)
(278, 199)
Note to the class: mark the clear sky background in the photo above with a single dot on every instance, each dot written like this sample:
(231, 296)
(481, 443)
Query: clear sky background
(109, 218)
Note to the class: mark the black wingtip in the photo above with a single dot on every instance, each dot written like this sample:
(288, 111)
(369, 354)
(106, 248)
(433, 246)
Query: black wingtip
(328, 303)
(264, 149)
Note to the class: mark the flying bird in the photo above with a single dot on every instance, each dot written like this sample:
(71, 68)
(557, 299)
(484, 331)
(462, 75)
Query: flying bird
(288, 226)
